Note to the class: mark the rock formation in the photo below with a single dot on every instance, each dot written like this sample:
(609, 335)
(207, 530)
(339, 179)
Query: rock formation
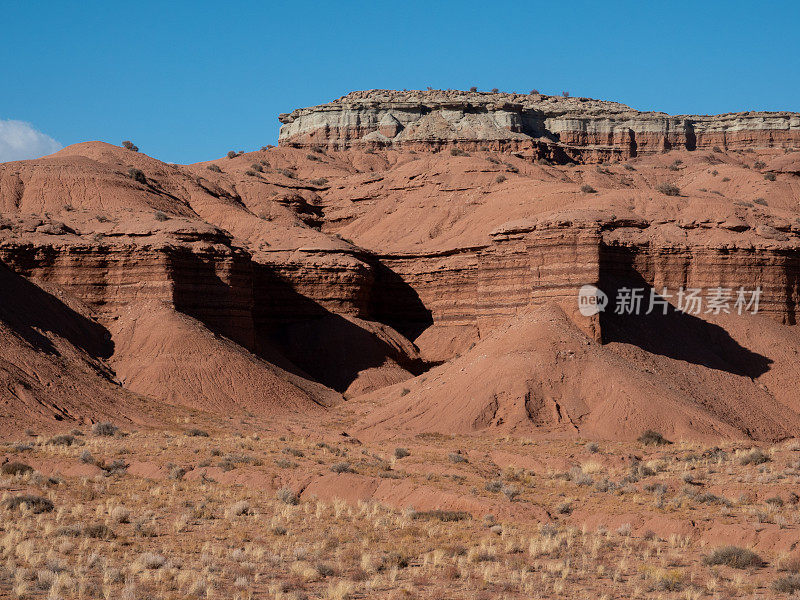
(544, 127)
(436, 290)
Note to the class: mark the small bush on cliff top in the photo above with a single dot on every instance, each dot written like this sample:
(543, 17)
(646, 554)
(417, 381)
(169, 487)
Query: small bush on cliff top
(231, 154)
(129, 145)
(668, 189)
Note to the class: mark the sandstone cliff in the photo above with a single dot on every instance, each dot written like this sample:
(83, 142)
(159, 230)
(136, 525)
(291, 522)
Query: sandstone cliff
(545, 127)
(435, 290)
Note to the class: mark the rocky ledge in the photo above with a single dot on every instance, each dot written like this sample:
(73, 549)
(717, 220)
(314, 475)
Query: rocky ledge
(555, 128)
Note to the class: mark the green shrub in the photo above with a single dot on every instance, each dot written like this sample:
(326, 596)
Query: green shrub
(287, 496)
(564, 508)
(653, 438)
(214, 168)
(342, 467)
(36, 504)
(511, 492)
(194, 432)
(787, 585)
(668, 189)
(129, 145)
(105, 428)
(98, 531)
(16, 468)
(137, 175)
(447, 516)
(401, 453)
(756, 456)
(587, 189)
(734, 556)
(62, 440)
(493, 486)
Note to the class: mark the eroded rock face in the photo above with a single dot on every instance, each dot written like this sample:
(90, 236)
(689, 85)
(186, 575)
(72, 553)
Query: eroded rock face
(545, 127)
(281, 280)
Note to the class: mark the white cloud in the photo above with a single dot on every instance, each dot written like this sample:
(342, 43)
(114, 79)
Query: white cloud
(19, 140)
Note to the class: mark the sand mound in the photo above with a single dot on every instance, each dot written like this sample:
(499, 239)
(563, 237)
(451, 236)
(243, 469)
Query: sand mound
(541, 373)
(52, 370)
(169, 356)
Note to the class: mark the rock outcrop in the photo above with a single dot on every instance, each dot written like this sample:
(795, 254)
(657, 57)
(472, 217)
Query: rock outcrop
(439, 288)
(545, 127)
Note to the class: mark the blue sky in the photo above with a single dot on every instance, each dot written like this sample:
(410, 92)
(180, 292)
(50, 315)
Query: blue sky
(188, 81)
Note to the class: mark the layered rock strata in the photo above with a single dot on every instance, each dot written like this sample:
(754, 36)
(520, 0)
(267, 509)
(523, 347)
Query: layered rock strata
(544, 127)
